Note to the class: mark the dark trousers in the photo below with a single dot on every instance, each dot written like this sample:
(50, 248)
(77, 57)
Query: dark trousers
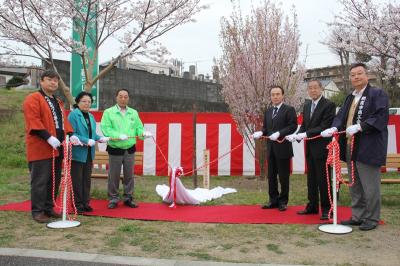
(279, 167)
(317, 184)
(81, 182)
(365, 192)
(42, 184)
(115, 162)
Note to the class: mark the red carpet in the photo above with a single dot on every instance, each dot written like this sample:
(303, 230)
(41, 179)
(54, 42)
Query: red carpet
(234, 214)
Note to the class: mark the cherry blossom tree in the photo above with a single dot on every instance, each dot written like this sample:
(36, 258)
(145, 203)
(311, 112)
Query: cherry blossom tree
(338, 41)
(259, 50)
(40, 29)
(375, 38)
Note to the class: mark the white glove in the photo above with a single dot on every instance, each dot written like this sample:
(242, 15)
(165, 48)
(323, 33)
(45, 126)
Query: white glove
(104, 139)
(91, 142)
(275, 136)
(257, 134)
(75, 140)
(327, 133)
(351, 130)
(301, 136)
(54, 142)
(291, 137)
(123, 137)
(147, 134)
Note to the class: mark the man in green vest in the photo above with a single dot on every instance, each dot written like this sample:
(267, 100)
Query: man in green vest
(122, 124)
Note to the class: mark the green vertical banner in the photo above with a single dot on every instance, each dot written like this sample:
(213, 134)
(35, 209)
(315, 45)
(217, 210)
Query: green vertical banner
(78, 79)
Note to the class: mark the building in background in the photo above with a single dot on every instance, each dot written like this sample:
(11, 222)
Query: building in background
(152, 92)
(193, 72)
(173, 69)
(31, 75)
(330, 88)
(334, 74)
(166, 87)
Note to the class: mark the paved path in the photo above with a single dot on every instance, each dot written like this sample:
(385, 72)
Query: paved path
(32, 257)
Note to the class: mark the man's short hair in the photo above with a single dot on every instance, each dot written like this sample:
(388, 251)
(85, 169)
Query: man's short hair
(359, 65)
(116, 94)
(50, 74)
(276, 86)
(316, 80)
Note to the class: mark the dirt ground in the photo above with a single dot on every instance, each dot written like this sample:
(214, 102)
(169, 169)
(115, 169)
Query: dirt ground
(259, 243)
(283, 244)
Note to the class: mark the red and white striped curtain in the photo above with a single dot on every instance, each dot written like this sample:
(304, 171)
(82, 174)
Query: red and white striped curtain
(217, 132)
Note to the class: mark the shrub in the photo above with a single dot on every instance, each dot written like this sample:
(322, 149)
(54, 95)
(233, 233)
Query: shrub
(15, 81)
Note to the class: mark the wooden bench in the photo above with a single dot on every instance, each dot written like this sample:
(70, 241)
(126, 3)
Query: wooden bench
(101, 159)
(392, 161)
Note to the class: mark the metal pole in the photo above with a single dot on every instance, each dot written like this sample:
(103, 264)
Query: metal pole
(64, 183)
(334, 188)
(334, 228)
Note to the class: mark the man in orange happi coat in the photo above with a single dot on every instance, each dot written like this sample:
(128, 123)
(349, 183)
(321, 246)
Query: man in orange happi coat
(45, 128)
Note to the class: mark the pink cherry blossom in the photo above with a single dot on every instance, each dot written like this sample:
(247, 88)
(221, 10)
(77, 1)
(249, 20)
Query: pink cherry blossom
(259, 50)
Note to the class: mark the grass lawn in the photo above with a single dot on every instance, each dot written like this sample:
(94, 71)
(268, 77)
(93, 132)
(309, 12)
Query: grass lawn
(263, 243)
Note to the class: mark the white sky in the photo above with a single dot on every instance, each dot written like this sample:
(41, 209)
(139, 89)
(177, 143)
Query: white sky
(199, 42)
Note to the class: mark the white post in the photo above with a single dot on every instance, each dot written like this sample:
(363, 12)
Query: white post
(335, 228)
(206, 170)
(334, 189)
(64, 223)
(64, 181)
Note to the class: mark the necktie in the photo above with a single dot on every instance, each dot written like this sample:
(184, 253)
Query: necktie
(312, 108)
(275, 112)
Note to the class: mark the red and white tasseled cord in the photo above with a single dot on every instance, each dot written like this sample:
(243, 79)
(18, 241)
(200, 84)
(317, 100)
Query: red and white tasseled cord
(175, 174)
(66, 181)
(333, 160)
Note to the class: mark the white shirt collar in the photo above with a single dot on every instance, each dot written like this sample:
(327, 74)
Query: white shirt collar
(317, 100)
(359, 93)
(279, 105)
(122, 111)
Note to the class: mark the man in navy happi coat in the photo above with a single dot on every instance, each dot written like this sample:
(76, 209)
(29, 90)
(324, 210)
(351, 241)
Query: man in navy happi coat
(365, 115)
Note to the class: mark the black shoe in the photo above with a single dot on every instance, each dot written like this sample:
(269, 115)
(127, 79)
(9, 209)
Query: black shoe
(130, 203)
(366, 226)
(41, 218)
(282, 207)
(53, 214)
(80, 210)
(88, 208)
(269, 205)
(112, 205)
(307, 211)
(325, 216)
(350, 222)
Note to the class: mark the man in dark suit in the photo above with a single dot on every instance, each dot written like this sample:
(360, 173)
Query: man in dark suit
(280, 120)
(318, 115)
(364, 114)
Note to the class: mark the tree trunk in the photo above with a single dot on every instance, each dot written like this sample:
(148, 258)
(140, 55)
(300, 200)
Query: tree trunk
(261, 153)
(344, 62)
(88, 86)
(67, 92)
(346, 73)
